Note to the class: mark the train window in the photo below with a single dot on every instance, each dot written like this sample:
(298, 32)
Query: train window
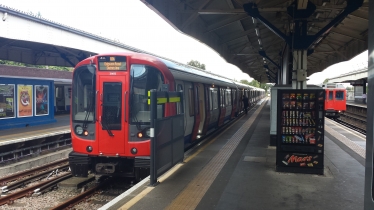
(191, 102)
(214, 95)
(330, 95)
(179, 105)
(112, 106)
(222, 97)
(339, 95)
(83, 102)
(228, 97)
(197, 110)
(143, 79)
(210, 99)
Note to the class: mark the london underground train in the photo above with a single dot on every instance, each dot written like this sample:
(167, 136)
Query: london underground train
(336, 99)
(110, 115)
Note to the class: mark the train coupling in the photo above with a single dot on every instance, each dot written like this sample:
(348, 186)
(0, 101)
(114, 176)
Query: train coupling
(106, 168)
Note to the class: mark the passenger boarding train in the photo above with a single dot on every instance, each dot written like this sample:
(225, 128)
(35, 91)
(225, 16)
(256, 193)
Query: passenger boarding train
(110, 116)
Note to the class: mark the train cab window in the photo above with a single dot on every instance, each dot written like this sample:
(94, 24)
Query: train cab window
(143, 79)
(339, 95)
(191, 102)
(330, 95)
(84, 97)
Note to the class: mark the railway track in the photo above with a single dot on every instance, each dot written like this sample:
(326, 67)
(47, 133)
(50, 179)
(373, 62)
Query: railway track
(354, 118)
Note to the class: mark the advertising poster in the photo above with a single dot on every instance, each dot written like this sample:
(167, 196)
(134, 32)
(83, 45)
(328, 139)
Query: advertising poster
(6, 101)
(24, 100)
(41, 100)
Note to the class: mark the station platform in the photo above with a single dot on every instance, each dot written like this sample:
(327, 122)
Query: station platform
(354, 103)
(236, 170)
(16, 135)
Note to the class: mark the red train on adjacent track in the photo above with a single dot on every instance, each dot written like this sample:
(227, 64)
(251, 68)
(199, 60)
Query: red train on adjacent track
(110, 116)
(336, 99)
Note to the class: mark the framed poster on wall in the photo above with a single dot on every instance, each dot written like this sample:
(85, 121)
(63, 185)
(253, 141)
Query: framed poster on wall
(7, 101)
(41, 100)
(24, 100)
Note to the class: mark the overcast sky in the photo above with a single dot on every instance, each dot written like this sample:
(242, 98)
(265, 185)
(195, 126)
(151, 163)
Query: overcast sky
(134, 24)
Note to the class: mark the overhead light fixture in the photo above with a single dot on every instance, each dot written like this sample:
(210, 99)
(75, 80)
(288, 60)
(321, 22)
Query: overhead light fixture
(257, 31)
(302, 4)
(259, 42)
(254, 20)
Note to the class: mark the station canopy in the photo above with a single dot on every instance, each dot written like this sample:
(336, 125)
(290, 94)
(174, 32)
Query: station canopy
(252, 34)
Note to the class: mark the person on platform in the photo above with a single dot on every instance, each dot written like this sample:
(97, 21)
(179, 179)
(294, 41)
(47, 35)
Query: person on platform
(245, 103)
(364, 97)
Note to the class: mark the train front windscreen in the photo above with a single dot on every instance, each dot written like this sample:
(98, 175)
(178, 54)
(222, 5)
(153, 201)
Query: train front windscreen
(83, 101)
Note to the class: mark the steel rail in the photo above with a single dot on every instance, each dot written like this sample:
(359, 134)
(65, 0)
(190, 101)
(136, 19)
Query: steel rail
(13, 177)
(9, 199)
(78, 198)
(23, 182)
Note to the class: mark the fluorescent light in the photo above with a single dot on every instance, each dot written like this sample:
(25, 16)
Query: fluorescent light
(259, 42)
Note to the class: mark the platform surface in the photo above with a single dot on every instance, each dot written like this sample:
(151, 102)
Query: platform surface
(353, 103)
(15, 135)
(230, 174)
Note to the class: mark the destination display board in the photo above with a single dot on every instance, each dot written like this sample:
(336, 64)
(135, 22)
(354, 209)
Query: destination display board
(112, 63)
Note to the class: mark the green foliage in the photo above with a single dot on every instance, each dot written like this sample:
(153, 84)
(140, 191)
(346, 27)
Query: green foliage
(196, 64)
(255, 83)
(325, 81)
(58, 68)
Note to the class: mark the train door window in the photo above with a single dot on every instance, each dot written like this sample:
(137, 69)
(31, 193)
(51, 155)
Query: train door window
(143, 79)
(330, 95)
(214, 98)
(234, 95)
(210, 98)
(228, 97)
(111, 113)
(179, 105)
(197, 104)
(339, 95)
(191, 102)
(221, 95)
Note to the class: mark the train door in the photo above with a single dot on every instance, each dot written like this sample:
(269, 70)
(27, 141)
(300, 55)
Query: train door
(233, 102)
(189, 109)
(111, 130)
(60, 98)
(201, 107)
(182, 109)
(222, 106)
(208, 108)
(195, 102)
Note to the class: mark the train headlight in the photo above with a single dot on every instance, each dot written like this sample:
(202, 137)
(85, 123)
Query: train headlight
(79, 130)
(140, 135)
(89, 149)
(134, 150)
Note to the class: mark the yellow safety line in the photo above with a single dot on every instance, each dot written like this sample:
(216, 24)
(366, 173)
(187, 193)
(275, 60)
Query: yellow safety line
(138, 197)
(191, 196)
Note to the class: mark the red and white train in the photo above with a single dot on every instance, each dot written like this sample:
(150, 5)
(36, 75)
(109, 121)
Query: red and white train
(335, 100)
(110, 115)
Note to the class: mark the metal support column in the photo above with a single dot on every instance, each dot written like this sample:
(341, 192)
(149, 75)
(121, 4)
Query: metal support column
(299, 69)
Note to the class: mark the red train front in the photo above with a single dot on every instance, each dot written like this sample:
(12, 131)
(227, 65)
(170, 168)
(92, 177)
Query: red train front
(335, 102)
(110, 115)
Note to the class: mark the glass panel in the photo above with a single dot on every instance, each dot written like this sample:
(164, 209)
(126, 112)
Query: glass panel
(112, 97)
(191, 102)
(339, 95)
(6, 101)
(83, 103)
(143, 79)
(330, 95)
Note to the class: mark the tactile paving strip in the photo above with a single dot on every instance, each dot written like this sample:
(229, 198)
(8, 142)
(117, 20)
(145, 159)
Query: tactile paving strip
(350, 144)
(190, 197)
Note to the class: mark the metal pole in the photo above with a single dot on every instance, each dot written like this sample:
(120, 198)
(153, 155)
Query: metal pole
(153, 116)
